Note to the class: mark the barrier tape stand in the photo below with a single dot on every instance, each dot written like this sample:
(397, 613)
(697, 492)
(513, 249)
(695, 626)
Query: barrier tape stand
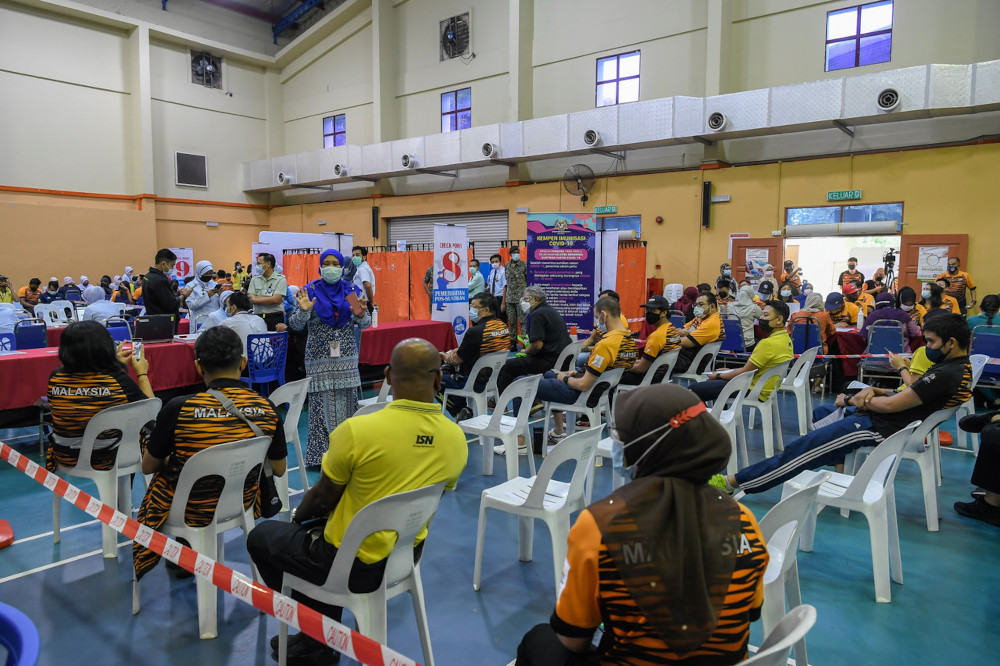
(341, 638)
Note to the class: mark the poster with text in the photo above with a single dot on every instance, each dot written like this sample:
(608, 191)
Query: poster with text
(184, 266)
(451, 277)
(756, 259)
(562, 250)
(931, 261)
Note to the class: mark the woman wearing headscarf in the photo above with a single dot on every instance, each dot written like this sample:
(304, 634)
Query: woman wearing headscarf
(220, 315)
(97, 308)
(814, 309)
(324, 308)
(673, 567)
(746, 311)
(204, 297)
(686, 302)
(769, 277)
(906, 300)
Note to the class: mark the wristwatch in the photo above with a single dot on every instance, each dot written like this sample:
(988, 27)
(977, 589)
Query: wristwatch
(566, 380)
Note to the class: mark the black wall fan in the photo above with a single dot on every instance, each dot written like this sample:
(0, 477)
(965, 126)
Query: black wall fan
(454, 37)
(578, 180)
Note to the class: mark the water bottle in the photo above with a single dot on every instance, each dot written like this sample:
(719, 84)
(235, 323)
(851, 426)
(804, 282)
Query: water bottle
(375, 317)
(861, 317)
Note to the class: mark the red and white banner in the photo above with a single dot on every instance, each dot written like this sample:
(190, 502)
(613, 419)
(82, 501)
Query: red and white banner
(184, 268)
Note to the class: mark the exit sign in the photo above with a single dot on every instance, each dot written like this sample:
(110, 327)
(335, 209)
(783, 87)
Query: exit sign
(844, 195)
(605, 210)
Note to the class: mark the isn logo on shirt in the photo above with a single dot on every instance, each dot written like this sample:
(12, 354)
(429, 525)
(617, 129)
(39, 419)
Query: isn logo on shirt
(425, 440)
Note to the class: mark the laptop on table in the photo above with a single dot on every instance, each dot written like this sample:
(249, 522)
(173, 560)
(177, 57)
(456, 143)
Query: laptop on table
(152, 329)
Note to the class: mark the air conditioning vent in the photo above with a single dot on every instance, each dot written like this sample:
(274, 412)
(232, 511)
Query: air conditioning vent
(340, 170)
(888, 100)
(716, 121)
(455, 37)
(592, 138)
(206, 70)
(190, 170)
(490, 150)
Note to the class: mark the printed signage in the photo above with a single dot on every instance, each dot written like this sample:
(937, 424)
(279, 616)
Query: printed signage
(562, 250)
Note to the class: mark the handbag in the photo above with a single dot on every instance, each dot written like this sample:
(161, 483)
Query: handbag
(268, 502)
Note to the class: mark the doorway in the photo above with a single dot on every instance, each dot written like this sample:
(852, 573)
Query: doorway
(823, 258)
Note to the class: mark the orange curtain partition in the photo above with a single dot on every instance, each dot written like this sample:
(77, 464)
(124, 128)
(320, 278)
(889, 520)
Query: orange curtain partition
(392, 284)
(420, 306)
(631, 283)
(300, 268)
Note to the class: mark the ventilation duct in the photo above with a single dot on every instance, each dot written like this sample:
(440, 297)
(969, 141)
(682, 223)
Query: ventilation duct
(842, 229)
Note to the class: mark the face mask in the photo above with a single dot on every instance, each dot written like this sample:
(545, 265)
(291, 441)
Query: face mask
(473, 270)
(258, 270)
(525, 305)
(515, 257)
(356, 261)
(925, 294)
(936, 355)
(905, 308)
(53, 290)
(765, 324)
(768, 273)
(474, 314)
(652, 318)
(723, 294)
(852, 266)
(331, 274)
(230, 312)
(727, 273)
(238, 268)
(953, 269)
(785, 293)
(807, 291)
(603, 328)
(495, 265)
(699, 311)
(206, 278)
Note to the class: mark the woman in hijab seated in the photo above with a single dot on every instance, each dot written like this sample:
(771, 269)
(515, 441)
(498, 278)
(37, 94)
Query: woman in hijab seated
(672, 567)
(329, 309)
(97, 308)
(747, 311)
(220, 315)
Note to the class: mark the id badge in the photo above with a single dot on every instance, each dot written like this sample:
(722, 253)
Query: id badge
(335, 349)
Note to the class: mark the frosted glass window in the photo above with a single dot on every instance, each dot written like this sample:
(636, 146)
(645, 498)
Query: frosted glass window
(858, 36)
(617, 79)
(334, 131)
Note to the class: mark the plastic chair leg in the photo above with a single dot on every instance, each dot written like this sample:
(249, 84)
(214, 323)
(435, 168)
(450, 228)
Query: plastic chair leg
(733, 465)
(56, 508)
(510, 456)
(801, 403)
(779, 441)
(488, 454)
(808, 533)
(281, 485)
(107, 490)
(892, 523)
(767, 428)
(525, 538)
(928, 482)
(208, 597)
(135, 597)
(794, 595)
(283, 635)
(558, 525)
(774, 604)
(878, 532)
(480, 537)
(420, 611)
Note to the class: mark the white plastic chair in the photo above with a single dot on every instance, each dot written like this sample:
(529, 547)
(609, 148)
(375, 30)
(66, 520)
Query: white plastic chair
(978, 362)
(668, 359)
(923, 448)
(729, 417)
(198, 321)
(294, 394)
(506, 428)
(769, 416)
(233, 461)
(605, 449)
(797, 383)
(370, 409)
(569, 353)
(710, 351)
(542, 498)
(789, 632)
(406, 514)
(491, 362)
(780, 529)
(114, 486)
(870, 491)
(66, 311)
(603, 385)
(384, 395)
(48, 313)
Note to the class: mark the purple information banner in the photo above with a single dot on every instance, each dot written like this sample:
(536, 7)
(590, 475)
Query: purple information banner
(561, 260)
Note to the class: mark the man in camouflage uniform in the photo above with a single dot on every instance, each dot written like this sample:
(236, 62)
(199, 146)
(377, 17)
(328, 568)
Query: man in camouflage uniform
(517, 282)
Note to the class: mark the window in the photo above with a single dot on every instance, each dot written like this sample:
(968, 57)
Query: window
(618, 79)
(456, 110)
(334, 131)
(887, 212)
(859, 36)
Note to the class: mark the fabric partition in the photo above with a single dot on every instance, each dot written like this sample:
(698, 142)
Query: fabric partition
(300, 268)
(420, 303)
(504, 253)
(631, 283)
(392, 285)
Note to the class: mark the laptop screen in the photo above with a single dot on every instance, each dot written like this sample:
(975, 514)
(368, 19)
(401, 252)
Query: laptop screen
(154, 328)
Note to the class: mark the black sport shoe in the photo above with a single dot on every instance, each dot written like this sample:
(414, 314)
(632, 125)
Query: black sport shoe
(976, 422)
(293, 639)
(979, 509)
(306, 652)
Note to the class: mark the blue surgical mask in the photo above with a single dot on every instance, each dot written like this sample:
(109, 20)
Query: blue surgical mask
(331, 274)
(473, 270)
(356, 261)
(785, 293)
(474, 314)
(727, 272)
(699, 311)
(935, 355)
(258, 270)
(603, 328)
(515, 256)
(926, 293)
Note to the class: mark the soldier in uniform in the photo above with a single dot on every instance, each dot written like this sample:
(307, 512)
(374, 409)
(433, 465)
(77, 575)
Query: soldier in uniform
(517, 282)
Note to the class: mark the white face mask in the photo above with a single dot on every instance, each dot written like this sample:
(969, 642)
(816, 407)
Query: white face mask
(926, 293)
(525, 304)
(807, 291)
(785, 293)
(495, 265)
(905, 308)
(515, 256)
(698, 311)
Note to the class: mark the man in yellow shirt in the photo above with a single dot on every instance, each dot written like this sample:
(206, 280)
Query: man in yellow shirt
(614, 349)
(6, 291)
(706, 327)
(407, 445)
(240, 276)
(958, 282)
(773, 350)
(664, 339)
(841, 311)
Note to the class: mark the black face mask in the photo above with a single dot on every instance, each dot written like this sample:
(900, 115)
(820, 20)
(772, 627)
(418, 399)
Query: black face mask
(205, 278)
(652, 318)
(852, 266)
(723, 294)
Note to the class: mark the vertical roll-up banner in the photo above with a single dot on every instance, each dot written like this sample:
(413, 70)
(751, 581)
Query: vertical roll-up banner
(451, 277)
(184, 267)
(562, 248)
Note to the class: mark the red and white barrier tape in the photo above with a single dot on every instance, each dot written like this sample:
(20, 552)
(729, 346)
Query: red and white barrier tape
(729, 352)
(334, 634)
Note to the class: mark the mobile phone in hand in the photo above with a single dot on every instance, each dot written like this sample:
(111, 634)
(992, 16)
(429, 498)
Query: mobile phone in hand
(357, 307)
(136, 347)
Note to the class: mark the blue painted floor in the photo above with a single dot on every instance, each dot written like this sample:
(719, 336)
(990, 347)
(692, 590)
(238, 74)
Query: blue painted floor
(943, 614)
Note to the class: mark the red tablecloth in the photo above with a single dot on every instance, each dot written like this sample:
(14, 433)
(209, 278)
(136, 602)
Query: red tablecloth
(55, 334)
(24, 376)
(377, 343)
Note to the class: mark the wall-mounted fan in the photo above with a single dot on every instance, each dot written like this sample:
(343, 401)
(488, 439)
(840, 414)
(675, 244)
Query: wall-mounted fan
(578, 180)
(206, 70)
(454, 33)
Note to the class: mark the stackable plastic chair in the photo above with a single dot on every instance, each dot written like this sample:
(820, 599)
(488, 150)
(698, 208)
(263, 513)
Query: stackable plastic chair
(487, 362)
(603, 386)
(769, 416)
(8, 342)
(727, 409)
(540, 497)
(294, 395)
(31, 333)
(384, 395)
(119, 328)
(506, 428)
(884, 336)
(233, 462)
(567, 357)
(986, 340)
(871, 492)
(668, 359)
(789, 632)
(709, 351)
(370, 409)
(65, 311)
(266, 354)
(48, 313)
(781, 528)
(968, 408)
(923, 448)
(114, 486)
(796, 382)
(406, 514)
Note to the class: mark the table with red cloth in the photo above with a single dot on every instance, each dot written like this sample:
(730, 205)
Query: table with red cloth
(54, 333)
(377, 343)
(24, 375)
